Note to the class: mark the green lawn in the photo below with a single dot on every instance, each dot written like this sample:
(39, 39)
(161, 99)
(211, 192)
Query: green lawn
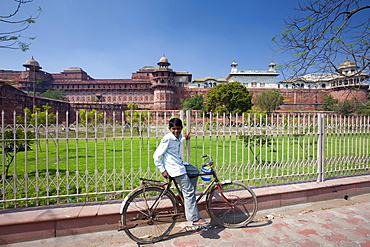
(98, 165)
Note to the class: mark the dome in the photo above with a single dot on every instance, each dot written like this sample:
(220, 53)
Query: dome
(209, 78)
(163, 60)
(347, 64)
(32, 63)
(234, 64)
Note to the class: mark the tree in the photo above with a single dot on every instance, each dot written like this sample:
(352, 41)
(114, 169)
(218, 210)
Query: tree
(269, 100)
(193, 103)
(38, 116)
(54, 94)
(326, 32)
(89, 117)
(364, 109)
(346, 107)
(93, 99)
(16, 142)
(11, 37)
(134, 118)
(229, 98)
(330, 104)
(22, 139)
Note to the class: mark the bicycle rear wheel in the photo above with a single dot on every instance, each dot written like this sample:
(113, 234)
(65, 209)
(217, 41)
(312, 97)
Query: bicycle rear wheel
(147, 217)
(234, 206)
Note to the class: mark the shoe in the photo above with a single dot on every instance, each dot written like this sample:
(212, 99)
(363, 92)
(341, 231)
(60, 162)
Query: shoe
(203, 224)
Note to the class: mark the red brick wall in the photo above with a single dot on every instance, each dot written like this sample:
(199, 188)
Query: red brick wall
(12, 99)
(360, 93)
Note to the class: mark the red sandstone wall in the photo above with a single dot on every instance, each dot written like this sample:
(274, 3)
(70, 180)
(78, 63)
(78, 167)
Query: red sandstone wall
(139, 90)
(12, 99)
(360, 93)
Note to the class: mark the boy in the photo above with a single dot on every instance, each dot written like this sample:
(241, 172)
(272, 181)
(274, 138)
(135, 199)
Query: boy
(168, 160)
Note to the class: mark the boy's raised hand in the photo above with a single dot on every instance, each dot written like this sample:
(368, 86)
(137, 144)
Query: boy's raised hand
(187, 136)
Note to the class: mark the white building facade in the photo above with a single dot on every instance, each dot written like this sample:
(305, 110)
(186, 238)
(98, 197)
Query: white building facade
(254, 78)
(348, 75)
(260, 79)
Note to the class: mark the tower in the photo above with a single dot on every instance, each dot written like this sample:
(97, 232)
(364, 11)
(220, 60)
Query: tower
(234, 66)
(272, 67)
(32, 68)
(347, 68)
(164, 86)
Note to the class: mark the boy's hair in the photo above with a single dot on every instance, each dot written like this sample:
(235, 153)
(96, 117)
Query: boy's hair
(175, 122)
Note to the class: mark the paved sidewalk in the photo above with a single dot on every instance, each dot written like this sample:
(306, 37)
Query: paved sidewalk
(54, 221)
(328, 223)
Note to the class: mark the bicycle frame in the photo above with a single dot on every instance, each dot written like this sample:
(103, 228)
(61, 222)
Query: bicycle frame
(167, 188)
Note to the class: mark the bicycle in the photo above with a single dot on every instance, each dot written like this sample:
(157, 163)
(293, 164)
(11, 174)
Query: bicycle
(154, 206)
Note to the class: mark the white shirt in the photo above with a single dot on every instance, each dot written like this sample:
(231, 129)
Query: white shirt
(167, 156)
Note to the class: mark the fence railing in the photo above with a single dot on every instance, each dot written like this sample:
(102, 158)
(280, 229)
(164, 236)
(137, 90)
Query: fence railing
(46, 162)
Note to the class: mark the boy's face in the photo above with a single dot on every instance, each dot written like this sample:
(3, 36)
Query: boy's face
(176, 130)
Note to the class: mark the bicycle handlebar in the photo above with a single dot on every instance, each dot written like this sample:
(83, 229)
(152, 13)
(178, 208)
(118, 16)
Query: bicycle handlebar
(209, 161)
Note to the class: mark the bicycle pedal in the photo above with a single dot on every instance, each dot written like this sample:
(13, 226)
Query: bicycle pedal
(195, 228)
(191, 228)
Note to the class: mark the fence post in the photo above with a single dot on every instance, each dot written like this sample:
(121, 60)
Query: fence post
(182, 146)
(320, 148)
(188, 129)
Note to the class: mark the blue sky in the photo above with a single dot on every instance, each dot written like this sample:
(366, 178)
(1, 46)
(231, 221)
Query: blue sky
(114, 38)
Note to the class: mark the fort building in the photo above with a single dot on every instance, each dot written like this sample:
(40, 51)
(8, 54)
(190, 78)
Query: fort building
(162, 88)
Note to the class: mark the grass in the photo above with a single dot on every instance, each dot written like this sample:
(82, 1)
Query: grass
(64, 168)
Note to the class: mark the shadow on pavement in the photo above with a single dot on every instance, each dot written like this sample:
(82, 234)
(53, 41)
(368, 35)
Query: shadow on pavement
(213, 232)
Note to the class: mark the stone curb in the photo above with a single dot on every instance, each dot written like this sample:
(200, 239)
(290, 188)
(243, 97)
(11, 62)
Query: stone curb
(24, 224)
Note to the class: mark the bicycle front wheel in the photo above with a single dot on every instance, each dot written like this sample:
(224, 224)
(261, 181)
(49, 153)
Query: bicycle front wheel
(149, 215)
(235, 205)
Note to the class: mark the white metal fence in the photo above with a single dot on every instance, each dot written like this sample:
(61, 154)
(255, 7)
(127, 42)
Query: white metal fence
(46, 162)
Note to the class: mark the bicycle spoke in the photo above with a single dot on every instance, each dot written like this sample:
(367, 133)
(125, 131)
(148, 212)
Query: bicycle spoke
(233, 206)
(153, 211)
